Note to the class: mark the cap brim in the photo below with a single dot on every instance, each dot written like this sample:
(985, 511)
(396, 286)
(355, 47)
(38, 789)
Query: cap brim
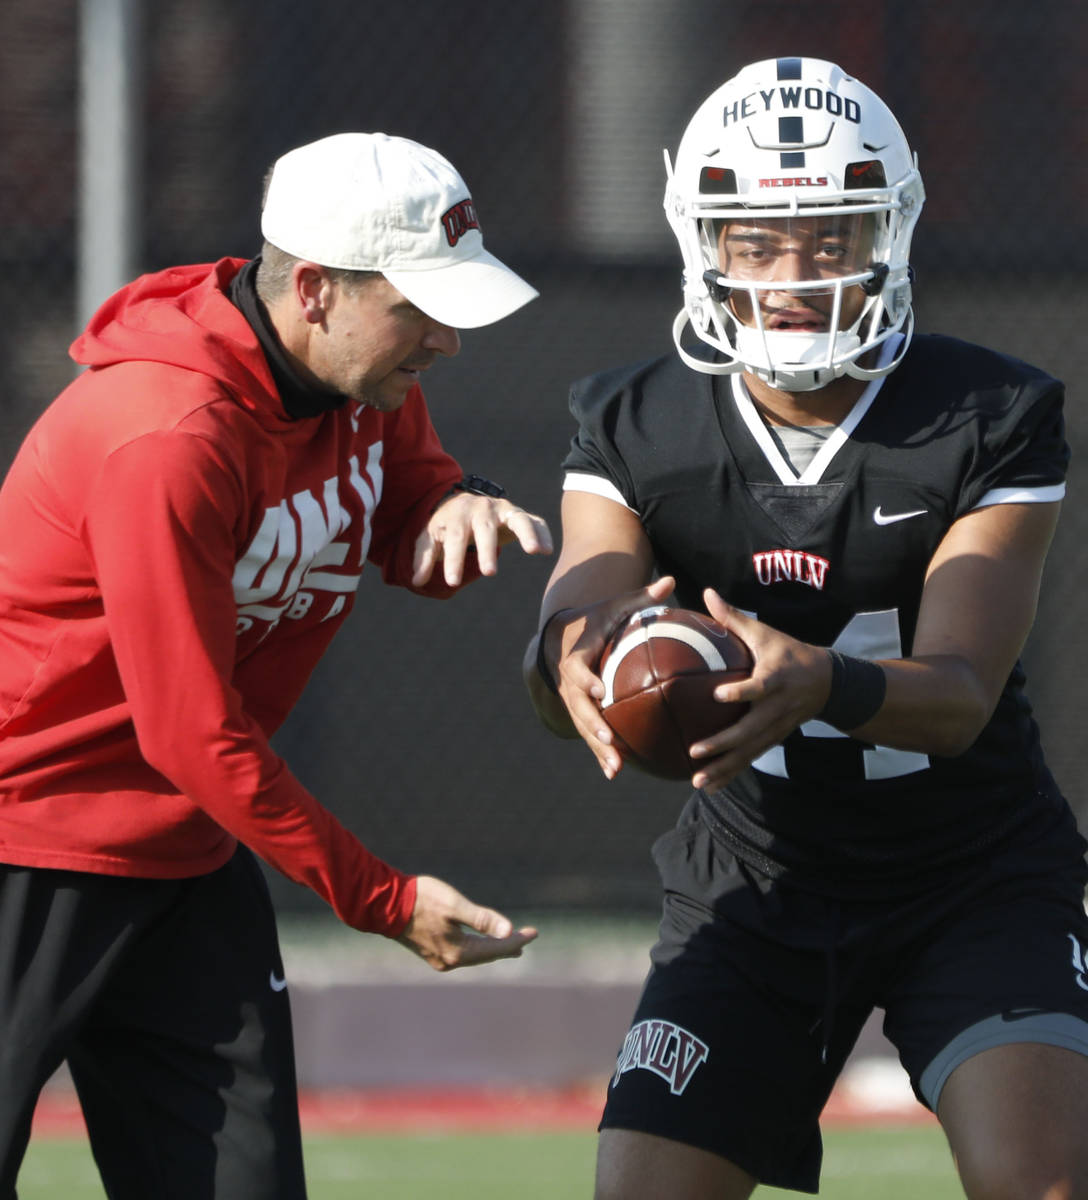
(465, 295)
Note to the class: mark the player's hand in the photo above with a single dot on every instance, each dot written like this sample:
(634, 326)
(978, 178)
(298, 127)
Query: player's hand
(789, 684)
(485, 523)
(575, 641)
(448, 931)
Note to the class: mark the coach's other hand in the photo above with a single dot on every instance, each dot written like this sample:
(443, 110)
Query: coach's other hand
(483, 522)
(449, 931)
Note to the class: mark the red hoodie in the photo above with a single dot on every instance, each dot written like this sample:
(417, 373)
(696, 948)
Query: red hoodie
(175, 555)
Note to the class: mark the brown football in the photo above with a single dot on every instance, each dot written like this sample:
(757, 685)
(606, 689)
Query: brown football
(659, 670)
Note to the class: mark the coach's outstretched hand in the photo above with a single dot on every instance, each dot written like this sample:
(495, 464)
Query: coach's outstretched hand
(482, 522)
(449, 931)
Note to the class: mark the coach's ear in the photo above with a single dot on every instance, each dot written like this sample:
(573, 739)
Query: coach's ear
(312, 291)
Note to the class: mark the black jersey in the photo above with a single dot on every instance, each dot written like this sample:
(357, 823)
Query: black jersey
(838, 557)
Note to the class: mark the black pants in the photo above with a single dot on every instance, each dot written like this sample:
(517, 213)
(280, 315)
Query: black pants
(166, 998)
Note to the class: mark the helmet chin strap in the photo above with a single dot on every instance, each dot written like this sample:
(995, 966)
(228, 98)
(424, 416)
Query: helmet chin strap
(731, 367)
(802, 361)
(805, 370)
(893, 346)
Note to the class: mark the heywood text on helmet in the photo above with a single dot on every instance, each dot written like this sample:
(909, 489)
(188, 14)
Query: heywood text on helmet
(813, 98)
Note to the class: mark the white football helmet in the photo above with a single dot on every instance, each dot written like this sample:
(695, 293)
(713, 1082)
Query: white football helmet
(782, 142)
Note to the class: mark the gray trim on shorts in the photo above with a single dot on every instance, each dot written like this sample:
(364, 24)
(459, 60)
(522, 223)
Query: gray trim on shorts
(1041, 1028)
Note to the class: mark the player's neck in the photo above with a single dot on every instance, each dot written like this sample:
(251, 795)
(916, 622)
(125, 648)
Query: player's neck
(825, 406)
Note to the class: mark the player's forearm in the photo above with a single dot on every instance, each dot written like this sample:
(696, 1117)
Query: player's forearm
(932, 705)
(548, 705)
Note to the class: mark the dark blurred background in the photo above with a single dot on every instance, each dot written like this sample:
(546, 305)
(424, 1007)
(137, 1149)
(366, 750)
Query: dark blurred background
(416, 730)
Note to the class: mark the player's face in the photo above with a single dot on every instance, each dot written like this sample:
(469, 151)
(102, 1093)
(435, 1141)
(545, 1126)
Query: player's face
(786, 250)
(377, 344)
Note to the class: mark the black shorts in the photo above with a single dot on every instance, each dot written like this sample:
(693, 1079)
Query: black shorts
(758, 993)
(167, 998)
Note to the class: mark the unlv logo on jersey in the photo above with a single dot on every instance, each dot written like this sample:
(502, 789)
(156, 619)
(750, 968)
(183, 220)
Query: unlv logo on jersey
(309, 543)
(458, 220)
(790, 566)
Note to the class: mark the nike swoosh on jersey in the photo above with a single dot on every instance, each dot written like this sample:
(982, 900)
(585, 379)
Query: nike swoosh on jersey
(1021, 1014)
(882, 518)
(277, 985)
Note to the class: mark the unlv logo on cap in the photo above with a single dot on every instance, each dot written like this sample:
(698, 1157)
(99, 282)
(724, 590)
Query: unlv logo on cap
(458, 220)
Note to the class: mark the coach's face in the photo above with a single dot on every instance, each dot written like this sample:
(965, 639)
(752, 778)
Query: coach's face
(365, 340)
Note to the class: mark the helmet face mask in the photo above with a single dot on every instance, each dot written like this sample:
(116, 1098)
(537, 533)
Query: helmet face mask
(794, 198)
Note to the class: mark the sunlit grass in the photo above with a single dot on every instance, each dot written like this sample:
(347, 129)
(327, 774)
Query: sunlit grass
(859, 1164)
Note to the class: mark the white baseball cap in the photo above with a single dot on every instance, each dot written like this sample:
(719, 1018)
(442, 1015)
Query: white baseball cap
(371, 202)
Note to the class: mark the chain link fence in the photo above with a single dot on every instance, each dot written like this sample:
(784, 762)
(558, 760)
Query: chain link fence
(416, 730)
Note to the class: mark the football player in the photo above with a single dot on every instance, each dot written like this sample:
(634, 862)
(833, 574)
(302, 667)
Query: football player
(869, 510)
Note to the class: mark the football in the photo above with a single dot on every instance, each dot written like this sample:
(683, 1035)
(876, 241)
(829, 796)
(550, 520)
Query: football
(659, 669)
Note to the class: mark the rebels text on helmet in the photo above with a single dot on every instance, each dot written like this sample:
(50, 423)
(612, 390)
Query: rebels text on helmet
(794, 181)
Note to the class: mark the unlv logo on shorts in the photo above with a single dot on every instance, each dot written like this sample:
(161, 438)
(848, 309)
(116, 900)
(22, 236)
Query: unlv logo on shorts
(664, 1048)
(1079, 963)
(458, 220)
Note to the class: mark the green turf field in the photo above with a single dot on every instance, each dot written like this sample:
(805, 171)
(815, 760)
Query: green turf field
(894, 1164)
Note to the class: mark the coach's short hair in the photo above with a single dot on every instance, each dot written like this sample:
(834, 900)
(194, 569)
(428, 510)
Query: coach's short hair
(274, 274)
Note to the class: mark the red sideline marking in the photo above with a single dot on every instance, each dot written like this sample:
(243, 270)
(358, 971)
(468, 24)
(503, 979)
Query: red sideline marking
(453, 1109)
(350, 1111)
(57, 1115)
(409, 1110)
(845, 1110)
